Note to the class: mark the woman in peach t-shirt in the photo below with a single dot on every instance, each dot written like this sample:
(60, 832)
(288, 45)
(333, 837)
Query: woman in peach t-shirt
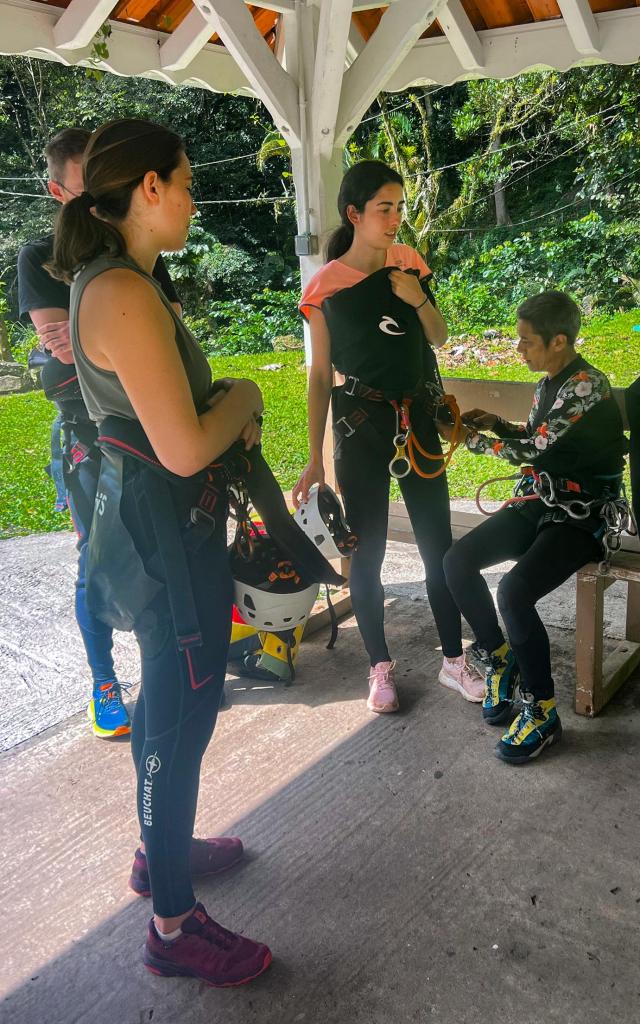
(373, 317)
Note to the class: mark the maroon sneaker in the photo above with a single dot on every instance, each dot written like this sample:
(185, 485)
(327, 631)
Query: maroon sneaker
(207, 951)
(208, 857)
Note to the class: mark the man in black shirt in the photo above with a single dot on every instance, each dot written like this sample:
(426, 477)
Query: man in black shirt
(47, 301)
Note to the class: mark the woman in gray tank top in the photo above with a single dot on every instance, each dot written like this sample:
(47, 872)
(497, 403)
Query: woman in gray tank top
(138, 362)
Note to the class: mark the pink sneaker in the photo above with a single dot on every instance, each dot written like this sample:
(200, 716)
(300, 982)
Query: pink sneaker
(457, 674)
(383, 696)
(207, 951)
(208, 857)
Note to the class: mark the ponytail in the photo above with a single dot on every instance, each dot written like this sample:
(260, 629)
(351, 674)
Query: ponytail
(339, 241)
(81, 236)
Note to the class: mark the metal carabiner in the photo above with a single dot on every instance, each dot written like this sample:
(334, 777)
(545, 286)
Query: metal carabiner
(400, 459)
(577, 509)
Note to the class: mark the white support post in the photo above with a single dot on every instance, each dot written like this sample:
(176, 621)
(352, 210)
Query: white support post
(235, 25)
(464, 39)
(331, 52)
(401, 26)
(185, 43)
(581, 25)
(80, 22)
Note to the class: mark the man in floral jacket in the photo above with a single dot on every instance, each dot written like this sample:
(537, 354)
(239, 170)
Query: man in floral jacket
(573, 449)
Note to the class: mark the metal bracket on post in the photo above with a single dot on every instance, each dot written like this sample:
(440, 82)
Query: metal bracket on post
(307, 244)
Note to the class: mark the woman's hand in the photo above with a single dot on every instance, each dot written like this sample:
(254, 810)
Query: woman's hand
(479, 419)
(313, 473)
(251, 433)
(407, 287)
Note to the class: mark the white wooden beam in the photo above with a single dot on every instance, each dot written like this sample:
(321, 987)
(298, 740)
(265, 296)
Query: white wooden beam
(516, 49)
(185, 43)
(79, 23)
(464, 39)
(400, 28)
(270, 82)
(329, 69)
(581, 25)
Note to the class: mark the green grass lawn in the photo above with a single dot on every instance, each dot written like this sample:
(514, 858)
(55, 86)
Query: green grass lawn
(27, 495)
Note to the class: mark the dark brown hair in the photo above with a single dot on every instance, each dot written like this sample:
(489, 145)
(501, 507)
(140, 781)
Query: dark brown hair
(68, 144)
(551, 313)
(359, 185)
(116, 160)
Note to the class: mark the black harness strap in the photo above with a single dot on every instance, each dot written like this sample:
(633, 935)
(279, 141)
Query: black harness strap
(174, 562)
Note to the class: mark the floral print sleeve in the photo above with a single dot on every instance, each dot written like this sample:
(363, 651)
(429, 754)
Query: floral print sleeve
(576, 397)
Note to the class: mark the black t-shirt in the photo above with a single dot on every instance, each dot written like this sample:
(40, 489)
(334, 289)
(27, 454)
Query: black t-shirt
(377, 337)
(37, 289)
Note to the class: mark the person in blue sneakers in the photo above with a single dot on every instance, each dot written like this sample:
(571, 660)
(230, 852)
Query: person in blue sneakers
(46, 300)
(573, 446)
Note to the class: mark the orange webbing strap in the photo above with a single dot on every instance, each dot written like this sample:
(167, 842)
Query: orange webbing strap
(445, 457)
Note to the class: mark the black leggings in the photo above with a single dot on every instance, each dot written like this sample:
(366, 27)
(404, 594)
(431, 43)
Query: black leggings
(174, 720)
(362, 470)
(544, 561)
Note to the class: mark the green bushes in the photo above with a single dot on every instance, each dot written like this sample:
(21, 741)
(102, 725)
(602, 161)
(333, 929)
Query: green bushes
(247, 327)
(588, 258)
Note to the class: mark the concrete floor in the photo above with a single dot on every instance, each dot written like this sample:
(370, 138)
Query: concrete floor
(399, 872)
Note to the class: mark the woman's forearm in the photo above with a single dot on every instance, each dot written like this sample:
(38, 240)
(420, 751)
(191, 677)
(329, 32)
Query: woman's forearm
(319, 397)
(433, 324)
(220, 426)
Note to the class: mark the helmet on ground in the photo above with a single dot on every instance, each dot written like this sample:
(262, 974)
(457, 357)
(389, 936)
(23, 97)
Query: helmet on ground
(269, 593)
(322, 519)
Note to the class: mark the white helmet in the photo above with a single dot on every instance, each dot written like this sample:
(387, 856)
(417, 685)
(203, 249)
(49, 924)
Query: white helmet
(322, 519)
(272, 611)
(269, 593)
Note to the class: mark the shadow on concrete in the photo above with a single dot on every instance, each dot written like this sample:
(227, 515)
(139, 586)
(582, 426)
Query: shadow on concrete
(399, 872)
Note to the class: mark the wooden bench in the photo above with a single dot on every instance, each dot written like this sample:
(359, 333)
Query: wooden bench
(597, 679)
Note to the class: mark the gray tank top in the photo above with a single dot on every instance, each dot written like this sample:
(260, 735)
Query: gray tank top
(101, 389)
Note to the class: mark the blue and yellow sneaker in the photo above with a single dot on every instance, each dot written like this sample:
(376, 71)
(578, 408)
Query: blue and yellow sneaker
(106, 712)
(536, 727)
(500, 684)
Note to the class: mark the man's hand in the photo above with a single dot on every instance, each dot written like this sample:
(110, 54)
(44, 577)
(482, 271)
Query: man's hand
(446, 431)
(55, 337)
(479, 419)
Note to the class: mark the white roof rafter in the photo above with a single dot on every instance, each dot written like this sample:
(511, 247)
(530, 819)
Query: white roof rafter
(581, 25)
(465, 41)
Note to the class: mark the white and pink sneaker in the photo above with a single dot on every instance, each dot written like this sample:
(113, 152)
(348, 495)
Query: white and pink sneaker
(458, 674)
(383, 696)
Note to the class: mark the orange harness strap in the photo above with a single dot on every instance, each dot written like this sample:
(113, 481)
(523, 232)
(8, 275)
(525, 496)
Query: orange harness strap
(413, 445)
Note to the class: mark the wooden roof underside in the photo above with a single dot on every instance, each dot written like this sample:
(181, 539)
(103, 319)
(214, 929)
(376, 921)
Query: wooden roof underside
(166, 15)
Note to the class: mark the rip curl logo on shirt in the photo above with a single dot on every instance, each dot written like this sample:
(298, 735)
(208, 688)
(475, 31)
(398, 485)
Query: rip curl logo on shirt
(387, 324)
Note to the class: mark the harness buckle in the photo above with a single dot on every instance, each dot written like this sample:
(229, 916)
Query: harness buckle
(350, 385)
(199, 517)
(348, 429)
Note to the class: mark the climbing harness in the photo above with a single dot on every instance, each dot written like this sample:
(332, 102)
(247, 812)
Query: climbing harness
(408, 449)
(575, 502)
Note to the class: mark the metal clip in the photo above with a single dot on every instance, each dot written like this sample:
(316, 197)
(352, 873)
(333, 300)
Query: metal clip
(348, 429)
(399, 467)
(349, 388)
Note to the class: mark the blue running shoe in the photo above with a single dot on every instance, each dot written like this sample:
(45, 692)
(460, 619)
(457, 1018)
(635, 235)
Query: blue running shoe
(106, 711)
(500, 684)
(536, 727)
